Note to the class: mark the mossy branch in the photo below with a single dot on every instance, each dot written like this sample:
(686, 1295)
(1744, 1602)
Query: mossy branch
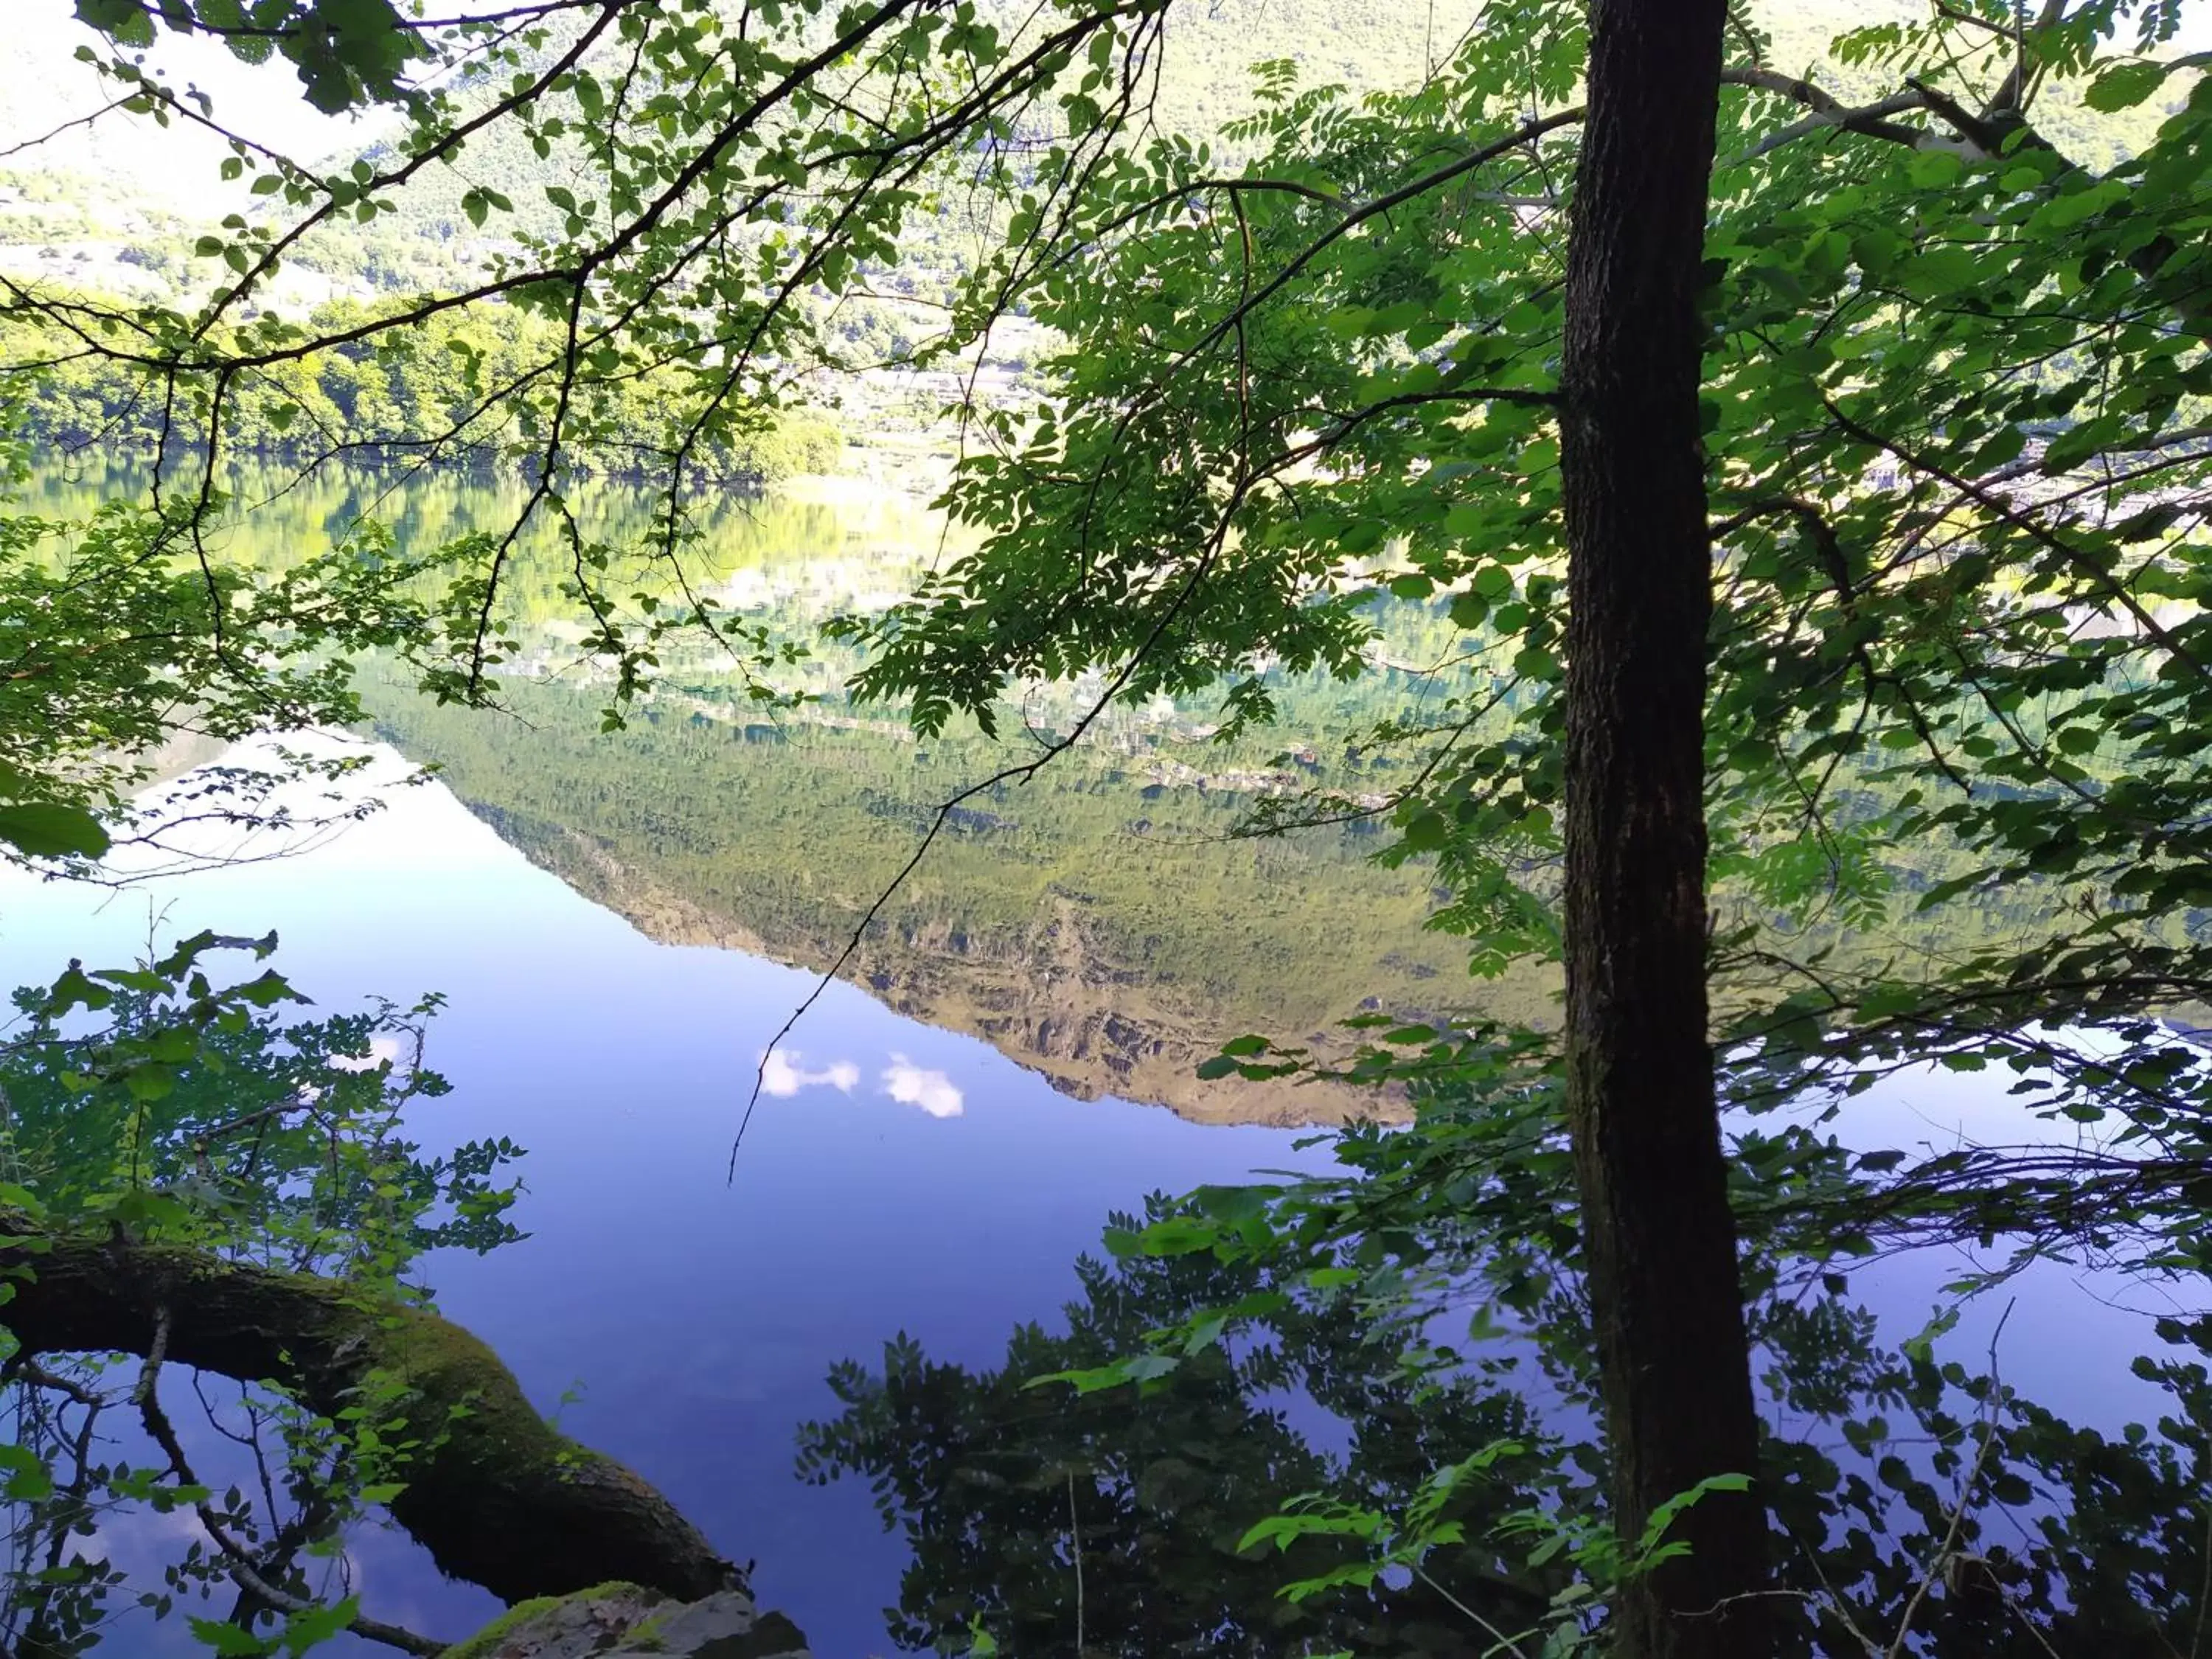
(496, 1495)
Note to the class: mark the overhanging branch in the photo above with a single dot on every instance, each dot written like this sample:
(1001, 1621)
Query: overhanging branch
(497, 1496)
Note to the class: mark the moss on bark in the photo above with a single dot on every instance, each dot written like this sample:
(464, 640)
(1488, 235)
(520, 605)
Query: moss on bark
(494, 1493)
(486, 1643)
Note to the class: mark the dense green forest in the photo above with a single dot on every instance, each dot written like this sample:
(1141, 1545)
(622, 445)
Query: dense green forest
(439, 392)
(435, 400)
(1611, 579)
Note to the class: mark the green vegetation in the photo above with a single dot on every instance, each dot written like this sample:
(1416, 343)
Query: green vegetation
(1105, 929)
(1770, 469)
(432, 397)
(1431, 1500)
(167, 1129)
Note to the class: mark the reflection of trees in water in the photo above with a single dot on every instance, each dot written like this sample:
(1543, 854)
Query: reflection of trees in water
(1006, 1491)
(264, 1548)
(1115, 960)
(287, 514)
(197, 1191)
(1919, 1506)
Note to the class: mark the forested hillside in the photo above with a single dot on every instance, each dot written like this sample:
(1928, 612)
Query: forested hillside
(100, 206)
(104, 207)
(101, 210)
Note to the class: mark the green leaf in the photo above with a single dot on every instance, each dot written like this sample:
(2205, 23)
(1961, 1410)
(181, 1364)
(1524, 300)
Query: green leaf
(1935, 169)
(126, 22)
(2124, 85)
(43, 830)
(150, 1082)
(270, 988)
(1139, 1369)
(1232, 1204)
(315, 1625)
(228, 1639)
(28, 1481)
(1664, 1517)
(1534, 662)
(1426, 832)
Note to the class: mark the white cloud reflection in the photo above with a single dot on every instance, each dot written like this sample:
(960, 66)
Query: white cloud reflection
(909, 1085)
(783, 1074)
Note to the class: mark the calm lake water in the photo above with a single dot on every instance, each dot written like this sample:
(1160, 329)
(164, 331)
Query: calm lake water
(897, 1177)
(902, 1178)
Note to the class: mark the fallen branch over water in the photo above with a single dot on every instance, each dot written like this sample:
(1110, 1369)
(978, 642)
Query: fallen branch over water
(495, 1495)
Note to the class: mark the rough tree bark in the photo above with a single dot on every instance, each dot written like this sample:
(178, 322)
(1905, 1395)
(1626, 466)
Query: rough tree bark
(494, 1494)
(1660, 1240)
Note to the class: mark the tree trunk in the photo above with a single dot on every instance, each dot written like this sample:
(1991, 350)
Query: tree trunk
(494, 1494)
(1665, 1293)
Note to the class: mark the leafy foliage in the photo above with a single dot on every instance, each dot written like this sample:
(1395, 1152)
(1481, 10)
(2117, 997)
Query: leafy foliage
(1955, 383)
(120, 632)
(1422, 1500)
(160, 1104)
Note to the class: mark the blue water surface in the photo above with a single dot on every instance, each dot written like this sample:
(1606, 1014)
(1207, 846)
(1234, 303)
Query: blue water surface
(905, 1180)
(681, 1316)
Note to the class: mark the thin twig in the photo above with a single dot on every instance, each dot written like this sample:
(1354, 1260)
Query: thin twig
(242, 1567)
(1949, 1546)
(1075, 1544)
(1503, 1641)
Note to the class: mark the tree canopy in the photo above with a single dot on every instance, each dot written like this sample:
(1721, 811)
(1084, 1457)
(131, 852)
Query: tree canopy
(1881, 464)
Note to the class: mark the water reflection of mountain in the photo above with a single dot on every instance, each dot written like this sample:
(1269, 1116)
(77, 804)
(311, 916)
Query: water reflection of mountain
(1046, 999)
(1109, 941)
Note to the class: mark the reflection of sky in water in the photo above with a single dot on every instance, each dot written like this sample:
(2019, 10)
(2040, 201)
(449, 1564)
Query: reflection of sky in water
(894, 1177)
(915, 1181)
(915, 1086)
(783, 1074)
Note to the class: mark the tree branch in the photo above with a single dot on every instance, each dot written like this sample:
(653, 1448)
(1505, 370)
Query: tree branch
(243, 1570)
(497, 1496)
